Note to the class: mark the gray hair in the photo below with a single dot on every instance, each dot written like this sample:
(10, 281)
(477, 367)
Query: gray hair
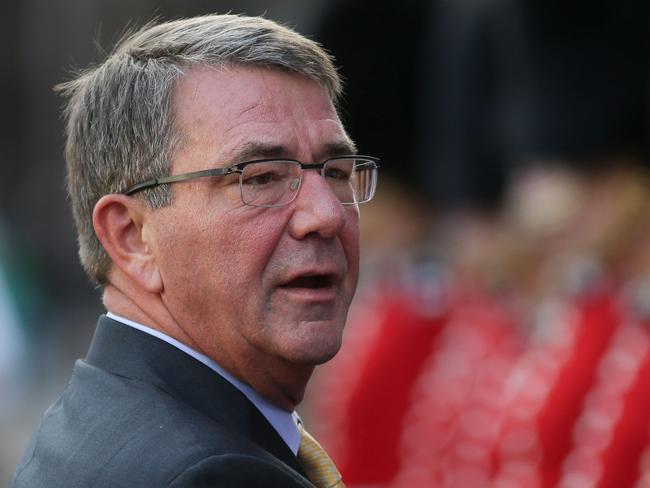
(120, 129)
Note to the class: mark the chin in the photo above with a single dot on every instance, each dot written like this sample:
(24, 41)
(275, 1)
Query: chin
(316, 352)
(323, 358)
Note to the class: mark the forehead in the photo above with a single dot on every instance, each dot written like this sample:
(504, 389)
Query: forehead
(218, 111)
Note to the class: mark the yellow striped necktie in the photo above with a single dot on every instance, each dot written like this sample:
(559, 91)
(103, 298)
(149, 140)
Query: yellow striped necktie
(319, 467)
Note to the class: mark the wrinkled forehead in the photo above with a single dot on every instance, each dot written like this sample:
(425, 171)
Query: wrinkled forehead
(251, 90)
(225, 108)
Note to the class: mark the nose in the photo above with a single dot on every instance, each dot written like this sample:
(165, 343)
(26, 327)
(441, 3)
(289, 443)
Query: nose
(316, 209)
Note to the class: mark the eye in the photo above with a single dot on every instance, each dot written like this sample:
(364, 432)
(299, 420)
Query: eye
(339, 170)
(266, 173)
(259, 179)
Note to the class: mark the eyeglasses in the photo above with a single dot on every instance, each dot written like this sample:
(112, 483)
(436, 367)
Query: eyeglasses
(275, 182)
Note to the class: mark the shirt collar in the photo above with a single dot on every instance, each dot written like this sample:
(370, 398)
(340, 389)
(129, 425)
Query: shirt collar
(284, 422)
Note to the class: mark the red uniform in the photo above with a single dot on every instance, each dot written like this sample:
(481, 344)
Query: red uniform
(364, 393)
(456, 399)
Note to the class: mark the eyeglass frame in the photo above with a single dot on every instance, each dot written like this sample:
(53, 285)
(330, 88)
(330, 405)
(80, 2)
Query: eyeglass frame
(238, 168)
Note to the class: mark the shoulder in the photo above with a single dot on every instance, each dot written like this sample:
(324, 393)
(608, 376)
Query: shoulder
(238, 470)
(107, 430)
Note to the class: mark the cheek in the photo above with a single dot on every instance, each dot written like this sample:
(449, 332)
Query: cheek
(246, 249)
(350, 241)
(188, 242)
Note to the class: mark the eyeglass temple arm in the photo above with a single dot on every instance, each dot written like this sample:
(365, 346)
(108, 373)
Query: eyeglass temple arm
(175, 178)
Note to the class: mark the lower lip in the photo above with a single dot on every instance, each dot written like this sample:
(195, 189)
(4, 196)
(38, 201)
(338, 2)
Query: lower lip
(326, 294)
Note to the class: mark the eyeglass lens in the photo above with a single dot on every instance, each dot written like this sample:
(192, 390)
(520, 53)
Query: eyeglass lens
(276, 183)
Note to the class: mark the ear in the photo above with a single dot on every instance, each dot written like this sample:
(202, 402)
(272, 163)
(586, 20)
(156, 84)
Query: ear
(119, 223)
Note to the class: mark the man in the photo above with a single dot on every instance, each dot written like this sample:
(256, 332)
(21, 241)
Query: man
(215, 194)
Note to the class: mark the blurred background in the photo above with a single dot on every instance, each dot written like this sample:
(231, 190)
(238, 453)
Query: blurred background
(500, 335)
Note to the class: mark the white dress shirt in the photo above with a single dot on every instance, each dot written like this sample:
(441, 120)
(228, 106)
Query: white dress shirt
(285, 423)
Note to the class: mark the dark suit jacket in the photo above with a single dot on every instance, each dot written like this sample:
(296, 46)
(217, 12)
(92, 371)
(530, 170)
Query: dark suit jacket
(138, 413)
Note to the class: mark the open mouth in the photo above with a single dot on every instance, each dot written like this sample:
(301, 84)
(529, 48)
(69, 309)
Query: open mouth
(313, 282)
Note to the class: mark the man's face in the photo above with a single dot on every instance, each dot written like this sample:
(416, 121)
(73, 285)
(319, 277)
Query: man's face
(248, 284)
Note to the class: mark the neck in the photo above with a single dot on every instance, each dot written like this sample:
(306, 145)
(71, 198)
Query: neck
(144, 308)
(282, 384)
(279, 381)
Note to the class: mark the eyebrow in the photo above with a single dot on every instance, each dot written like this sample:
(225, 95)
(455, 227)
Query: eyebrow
(258, 150)
(339, 148)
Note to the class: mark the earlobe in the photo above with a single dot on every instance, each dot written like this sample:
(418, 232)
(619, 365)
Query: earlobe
(120, 225)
